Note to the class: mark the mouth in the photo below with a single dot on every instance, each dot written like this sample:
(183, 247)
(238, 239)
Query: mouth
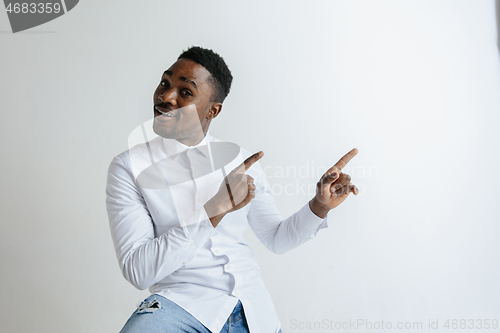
(164, 113)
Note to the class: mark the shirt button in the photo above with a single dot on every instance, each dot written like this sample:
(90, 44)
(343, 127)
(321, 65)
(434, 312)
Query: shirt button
(195, 170)
(228, 267)
(217, 251)
(236, 293)
(199, 200)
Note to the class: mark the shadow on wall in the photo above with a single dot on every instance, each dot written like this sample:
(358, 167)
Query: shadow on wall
(497, 6)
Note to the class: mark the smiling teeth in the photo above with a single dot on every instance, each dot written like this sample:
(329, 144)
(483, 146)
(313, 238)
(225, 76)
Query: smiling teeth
(168, 114)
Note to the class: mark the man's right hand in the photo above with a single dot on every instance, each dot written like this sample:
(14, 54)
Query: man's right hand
(235, 192)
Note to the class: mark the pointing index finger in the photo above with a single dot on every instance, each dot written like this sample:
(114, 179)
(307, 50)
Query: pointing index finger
(346, 158)
(252, 159)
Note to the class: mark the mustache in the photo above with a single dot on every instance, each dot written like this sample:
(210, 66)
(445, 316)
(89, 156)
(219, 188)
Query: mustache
(164, 105)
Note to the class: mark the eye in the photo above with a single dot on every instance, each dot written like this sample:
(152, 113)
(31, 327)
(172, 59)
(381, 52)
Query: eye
(186, 93)
(164, 83)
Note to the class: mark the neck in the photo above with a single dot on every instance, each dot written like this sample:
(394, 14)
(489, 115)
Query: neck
(192, 141)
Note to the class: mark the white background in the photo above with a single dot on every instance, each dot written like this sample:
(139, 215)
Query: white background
(414, 85)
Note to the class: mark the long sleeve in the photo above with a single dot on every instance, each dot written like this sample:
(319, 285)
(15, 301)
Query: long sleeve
(144, 259)
(277, 234)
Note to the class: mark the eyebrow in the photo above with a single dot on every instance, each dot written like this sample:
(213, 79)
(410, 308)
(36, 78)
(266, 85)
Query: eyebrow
(183, 78)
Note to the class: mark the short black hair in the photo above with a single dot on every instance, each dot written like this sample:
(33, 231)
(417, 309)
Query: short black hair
(221, 77)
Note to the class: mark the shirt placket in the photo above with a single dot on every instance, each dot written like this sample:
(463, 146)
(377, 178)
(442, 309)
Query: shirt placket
(218, 246)
(194, 169)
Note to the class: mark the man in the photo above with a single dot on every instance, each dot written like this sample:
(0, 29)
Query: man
(179, 204)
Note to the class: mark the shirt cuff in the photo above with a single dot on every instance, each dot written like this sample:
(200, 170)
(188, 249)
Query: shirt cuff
(311, 221)
(199, 228)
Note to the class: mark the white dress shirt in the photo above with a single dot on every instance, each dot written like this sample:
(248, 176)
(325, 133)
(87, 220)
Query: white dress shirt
(164, 240)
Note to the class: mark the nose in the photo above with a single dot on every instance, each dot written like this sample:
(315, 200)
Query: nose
(169, 96)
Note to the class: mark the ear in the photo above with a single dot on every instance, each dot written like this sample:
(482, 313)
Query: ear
(214, 110)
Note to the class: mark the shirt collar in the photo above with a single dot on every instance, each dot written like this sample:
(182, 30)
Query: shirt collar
(174, 147)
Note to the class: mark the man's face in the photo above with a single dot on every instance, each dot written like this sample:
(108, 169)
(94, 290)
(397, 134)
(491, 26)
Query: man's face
(182, 103)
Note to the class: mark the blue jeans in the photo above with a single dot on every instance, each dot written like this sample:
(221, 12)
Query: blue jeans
(157, 314)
